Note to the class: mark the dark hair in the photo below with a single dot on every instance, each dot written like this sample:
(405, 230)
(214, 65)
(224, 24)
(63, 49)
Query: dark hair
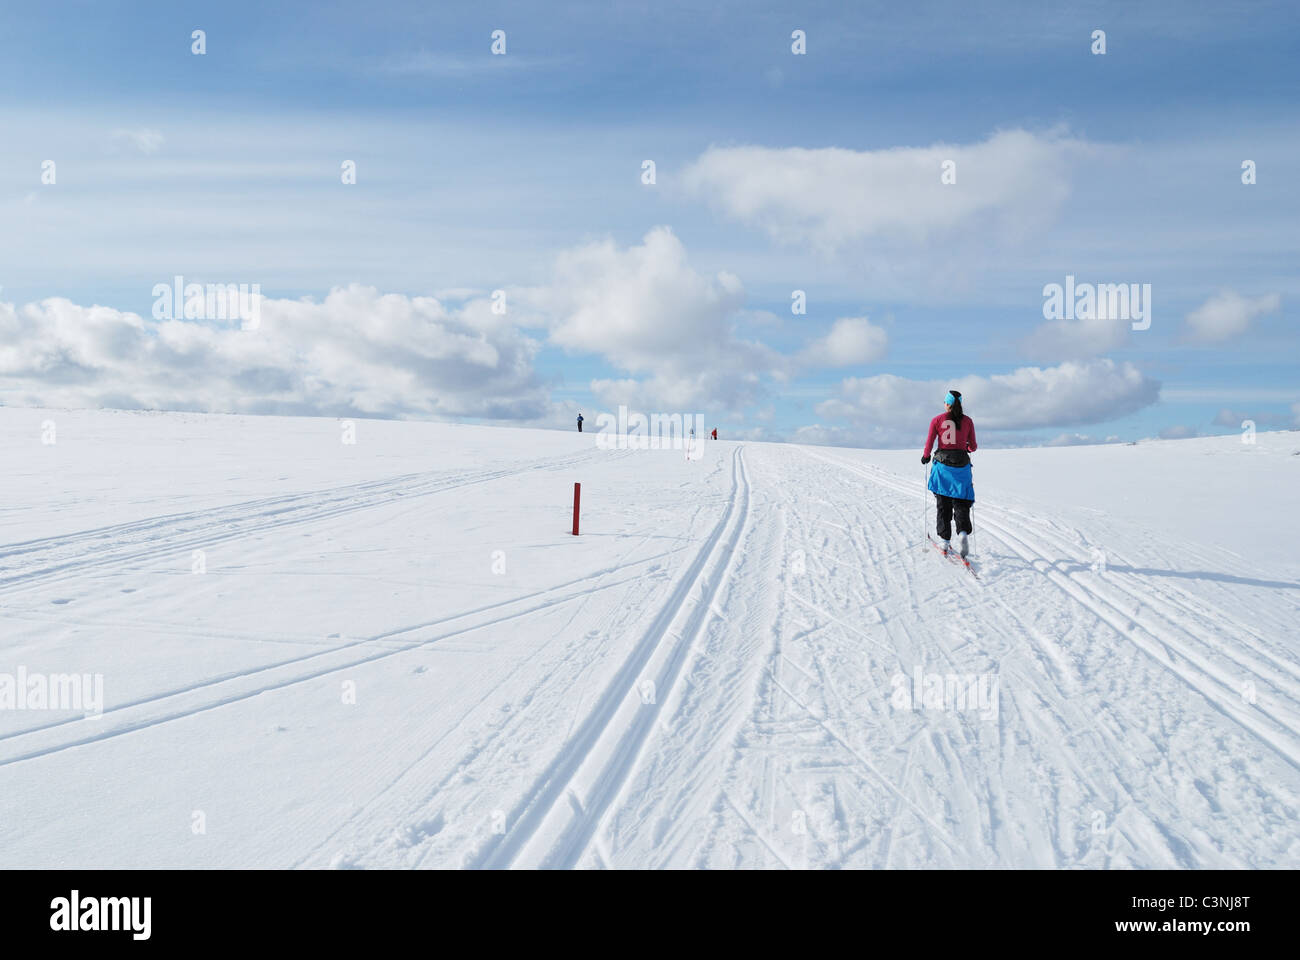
(956, 409)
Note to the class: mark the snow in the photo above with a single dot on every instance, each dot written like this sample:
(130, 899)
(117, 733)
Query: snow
(394, 654)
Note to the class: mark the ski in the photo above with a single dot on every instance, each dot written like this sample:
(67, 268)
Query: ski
(953, 555)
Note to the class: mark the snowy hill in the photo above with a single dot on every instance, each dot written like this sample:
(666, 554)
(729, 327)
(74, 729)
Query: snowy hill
(392, 653)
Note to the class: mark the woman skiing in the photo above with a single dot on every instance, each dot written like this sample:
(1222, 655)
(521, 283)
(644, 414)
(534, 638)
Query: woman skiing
(950, 479)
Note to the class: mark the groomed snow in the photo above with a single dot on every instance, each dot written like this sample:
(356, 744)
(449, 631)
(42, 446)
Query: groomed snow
(393, 653)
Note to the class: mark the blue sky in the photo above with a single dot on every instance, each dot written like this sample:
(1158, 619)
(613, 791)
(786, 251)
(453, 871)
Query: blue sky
(522, 173)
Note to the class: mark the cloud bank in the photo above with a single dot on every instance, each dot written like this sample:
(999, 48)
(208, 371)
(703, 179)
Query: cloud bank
(643, 309)
(356, 353)
(888, 410)
(830, 197)
(667, 332)
(850, 342)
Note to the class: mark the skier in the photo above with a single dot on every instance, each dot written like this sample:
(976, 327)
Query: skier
(950, 477)
(580, 423)
(715, 433)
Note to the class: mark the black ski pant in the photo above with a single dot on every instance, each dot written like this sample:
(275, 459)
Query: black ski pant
(580, 426)
(945, 508)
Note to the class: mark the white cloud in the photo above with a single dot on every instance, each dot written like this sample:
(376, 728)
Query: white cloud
(643, 309)
(851, 341)
(647, 311)
(643, 305)
(1227, 314)
(1179, 431)
(1076, 339)
(356, 353)
(829, 197)
(715, 391)
(889, 410)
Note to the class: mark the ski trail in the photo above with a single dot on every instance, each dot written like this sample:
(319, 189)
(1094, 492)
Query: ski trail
(839, 738)
(212, 694)
(774, 725)
(1162, 644)
(662, 815)
(1278, 726)
(552, 826)
(55, 559)
(1171, 607)
(773, 595)
(1060, 750)
(326, 649)
(414, 776)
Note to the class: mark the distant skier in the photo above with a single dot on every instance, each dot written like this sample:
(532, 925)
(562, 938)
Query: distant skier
(580, 423)
(950, 477)
(714, 435)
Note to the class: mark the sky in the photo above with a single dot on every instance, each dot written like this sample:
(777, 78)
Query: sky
(917, 178)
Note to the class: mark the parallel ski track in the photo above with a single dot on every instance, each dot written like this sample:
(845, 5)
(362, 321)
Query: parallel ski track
(416, 811)
(1160, 642)
(605, 748)
(874, 578)
(869, 565)
(176, 704)
(53, 559)
(1112, 787)
(1078, 723)
(233, 688)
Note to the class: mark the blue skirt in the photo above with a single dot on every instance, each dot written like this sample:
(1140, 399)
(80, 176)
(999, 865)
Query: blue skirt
(952, 482)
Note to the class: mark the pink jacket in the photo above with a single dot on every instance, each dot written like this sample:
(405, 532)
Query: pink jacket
(964, 439)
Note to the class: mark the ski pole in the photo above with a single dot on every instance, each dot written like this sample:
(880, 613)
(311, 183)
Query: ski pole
(925, 486)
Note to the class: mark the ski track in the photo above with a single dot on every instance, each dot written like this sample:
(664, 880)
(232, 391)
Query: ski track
(771, 630)
(980, 816)
(1171, 637)
(123, 719)
(1117, 793)
(553, 825)
(410, 772)
(410, 795)
(389, 639)
(54, 559)
(234, 686)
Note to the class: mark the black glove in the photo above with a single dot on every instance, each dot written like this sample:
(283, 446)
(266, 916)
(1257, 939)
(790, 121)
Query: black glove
(926, 458)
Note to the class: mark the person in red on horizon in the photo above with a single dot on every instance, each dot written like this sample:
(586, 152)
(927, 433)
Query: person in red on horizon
(715, 433)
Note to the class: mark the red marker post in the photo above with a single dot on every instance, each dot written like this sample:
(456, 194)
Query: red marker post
(577, 493)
